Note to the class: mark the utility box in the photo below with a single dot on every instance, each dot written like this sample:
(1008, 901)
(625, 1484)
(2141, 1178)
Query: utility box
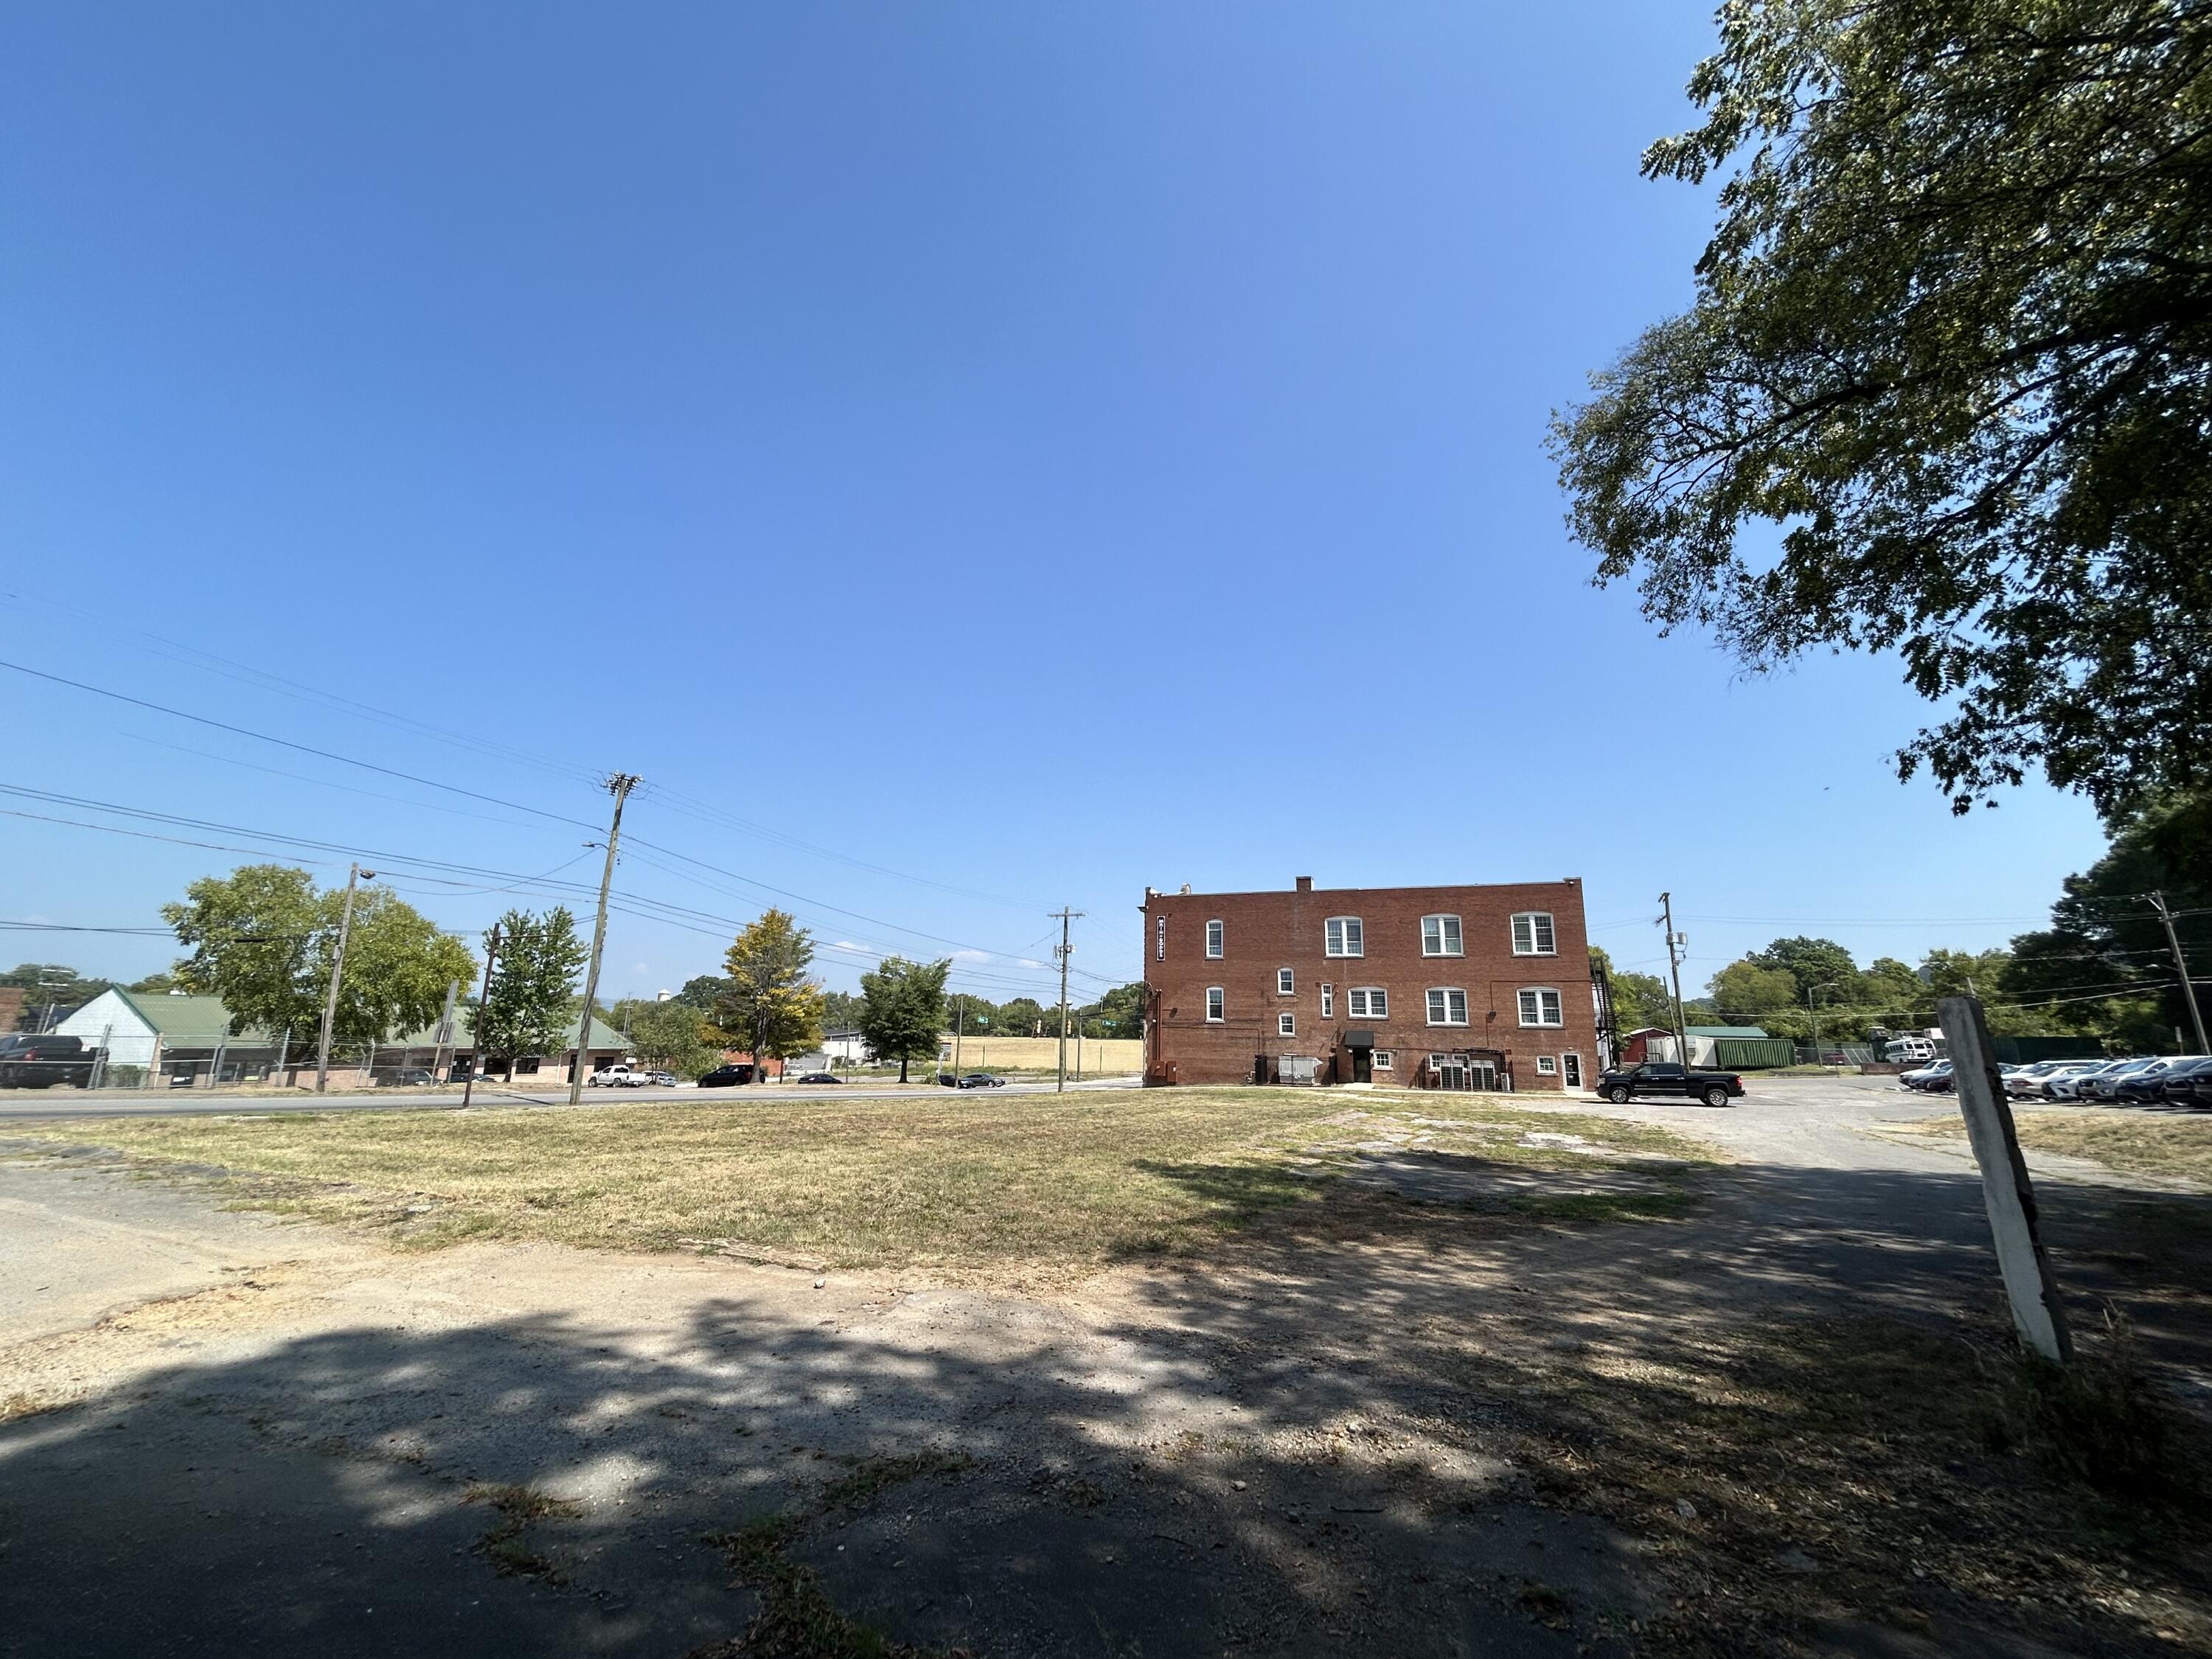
(1298, 1068)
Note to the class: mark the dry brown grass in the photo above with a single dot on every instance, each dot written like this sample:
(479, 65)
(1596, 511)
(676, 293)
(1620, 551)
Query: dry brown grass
(2132, 1142)
(933, 1181)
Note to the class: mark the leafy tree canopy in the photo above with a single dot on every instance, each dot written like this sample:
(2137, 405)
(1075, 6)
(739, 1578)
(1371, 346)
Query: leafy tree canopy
(1749, 993)
(1943, 389)
(1119, 1013)
(262, 938)
(1819, 965)
(771, 1005)
(700, 993)
(1640, 1001)
(902, 1009)
(1023, 1017)
(532, 1005)
(671, 1035)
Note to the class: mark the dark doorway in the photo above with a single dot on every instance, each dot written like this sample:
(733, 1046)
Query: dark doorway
(1363, 1065)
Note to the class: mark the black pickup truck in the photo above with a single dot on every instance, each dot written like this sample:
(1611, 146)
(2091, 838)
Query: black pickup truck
(1665, 1078)
(39, 1062)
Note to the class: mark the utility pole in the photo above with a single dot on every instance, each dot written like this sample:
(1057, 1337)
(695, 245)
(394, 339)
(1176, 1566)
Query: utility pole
(2181, 964)
(354, 873)
(1061, 950)
(959, 1018)
(438, 1055)
(476, 1025)
(619, 787)
(1815, 1012)
(1674, 942)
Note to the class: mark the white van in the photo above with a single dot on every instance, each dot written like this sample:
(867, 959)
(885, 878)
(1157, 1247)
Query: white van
(1915, 1048)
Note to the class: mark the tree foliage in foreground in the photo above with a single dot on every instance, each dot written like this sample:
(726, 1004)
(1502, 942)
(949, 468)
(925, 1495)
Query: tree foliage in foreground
(1946, 385)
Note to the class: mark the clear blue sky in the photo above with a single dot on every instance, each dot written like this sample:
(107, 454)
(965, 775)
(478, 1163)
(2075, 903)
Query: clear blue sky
(1037, 450)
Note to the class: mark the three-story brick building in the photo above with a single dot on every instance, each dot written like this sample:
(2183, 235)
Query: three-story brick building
(1454, 988)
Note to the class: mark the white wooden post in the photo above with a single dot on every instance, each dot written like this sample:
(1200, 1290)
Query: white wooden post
(2033, 1293)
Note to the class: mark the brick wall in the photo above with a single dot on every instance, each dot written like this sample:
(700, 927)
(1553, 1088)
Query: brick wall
(11, 1007)
(1264, 932)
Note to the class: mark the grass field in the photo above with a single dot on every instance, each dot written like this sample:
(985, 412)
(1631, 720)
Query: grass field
(930, 1181)
(2135, 1143)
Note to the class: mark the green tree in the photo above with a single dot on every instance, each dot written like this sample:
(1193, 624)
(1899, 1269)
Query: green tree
(903, 1010)
(533, 1007)
(1965, 973)
(671, 1035)
(973, 1016)
(51, 991)
(1640, 1001)
(262, 938)
(1820, 965)
(701, 992)
(772, 1007)
(1943, 389)
(1747, 993)
(1119, 1013)
(840, 1010)
(1892, 993)
(1026, 1016)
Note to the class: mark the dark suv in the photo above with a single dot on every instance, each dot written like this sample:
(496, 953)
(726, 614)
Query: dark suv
(1665, 1078)
(39, 1063)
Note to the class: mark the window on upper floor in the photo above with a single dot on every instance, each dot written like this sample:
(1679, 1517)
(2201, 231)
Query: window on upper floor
(1286, 982)
(1286, 1024)
(1345, 937)
(1328, 1002)
(1532, 935)
(1215, 938)
(1448, 1006)
(1217, 1003)
(1540, 1007)
(1368, 1002)
(1440, 936)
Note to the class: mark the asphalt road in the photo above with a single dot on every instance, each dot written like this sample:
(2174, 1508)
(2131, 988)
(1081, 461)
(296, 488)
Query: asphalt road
(50, 1105)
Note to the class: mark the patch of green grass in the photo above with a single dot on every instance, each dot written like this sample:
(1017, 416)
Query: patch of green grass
(1660, 1204)
(935, 1180)
(797, 1618)
(519, 1507)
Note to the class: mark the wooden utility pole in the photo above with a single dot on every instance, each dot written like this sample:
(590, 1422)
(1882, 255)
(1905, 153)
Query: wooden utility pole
(1674, 942)
(2181, 966)
(476, 1025)
(619, 787)
(2036, 1314)
(354, 873)
(1061, 950)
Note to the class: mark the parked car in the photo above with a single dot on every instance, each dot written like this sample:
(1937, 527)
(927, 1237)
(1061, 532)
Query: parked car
(1666, 1078)
(2105, 1086)
(2060, 1084)
(818, 1077)
(2076, 1087)
(2023, 1082)
(1926, 1076)
(980, 1080)
(2178, 1085)
(2148, 1084)
(661, 1079)
(1904, 1048)
(411, 1077)
(620, 1077)
(28, 1062)
(726, 1077)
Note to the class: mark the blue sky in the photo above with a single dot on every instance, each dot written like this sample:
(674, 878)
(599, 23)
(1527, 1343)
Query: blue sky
(968, 459)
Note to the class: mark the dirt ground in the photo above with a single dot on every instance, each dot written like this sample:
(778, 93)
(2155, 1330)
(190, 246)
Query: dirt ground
(1403, 1418)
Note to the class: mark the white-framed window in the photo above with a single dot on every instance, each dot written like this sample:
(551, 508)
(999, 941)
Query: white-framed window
(1448, 1006)
(1216, 935)
(1345, 937)
(1440, 936)
(1547, 1066)
(1540, 1007)
(1368, 1002)
(1532, 935)
(1381, 1060)
(1216, 1003)
(1328, 1002)
(1286, 1024)
(1160, 939)
(1286, 982)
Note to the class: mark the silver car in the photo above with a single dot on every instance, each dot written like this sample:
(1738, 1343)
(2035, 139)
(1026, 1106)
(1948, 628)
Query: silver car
(2062, 1083)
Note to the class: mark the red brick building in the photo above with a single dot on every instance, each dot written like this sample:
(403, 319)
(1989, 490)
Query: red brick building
(1451, 987)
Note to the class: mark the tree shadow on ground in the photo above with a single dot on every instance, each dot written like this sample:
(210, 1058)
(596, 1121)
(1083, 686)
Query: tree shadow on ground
(1362, 1421)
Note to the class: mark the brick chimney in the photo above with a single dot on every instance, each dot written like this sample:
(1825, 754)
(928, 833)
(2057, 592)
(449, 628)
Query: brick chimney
(1305, 883)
